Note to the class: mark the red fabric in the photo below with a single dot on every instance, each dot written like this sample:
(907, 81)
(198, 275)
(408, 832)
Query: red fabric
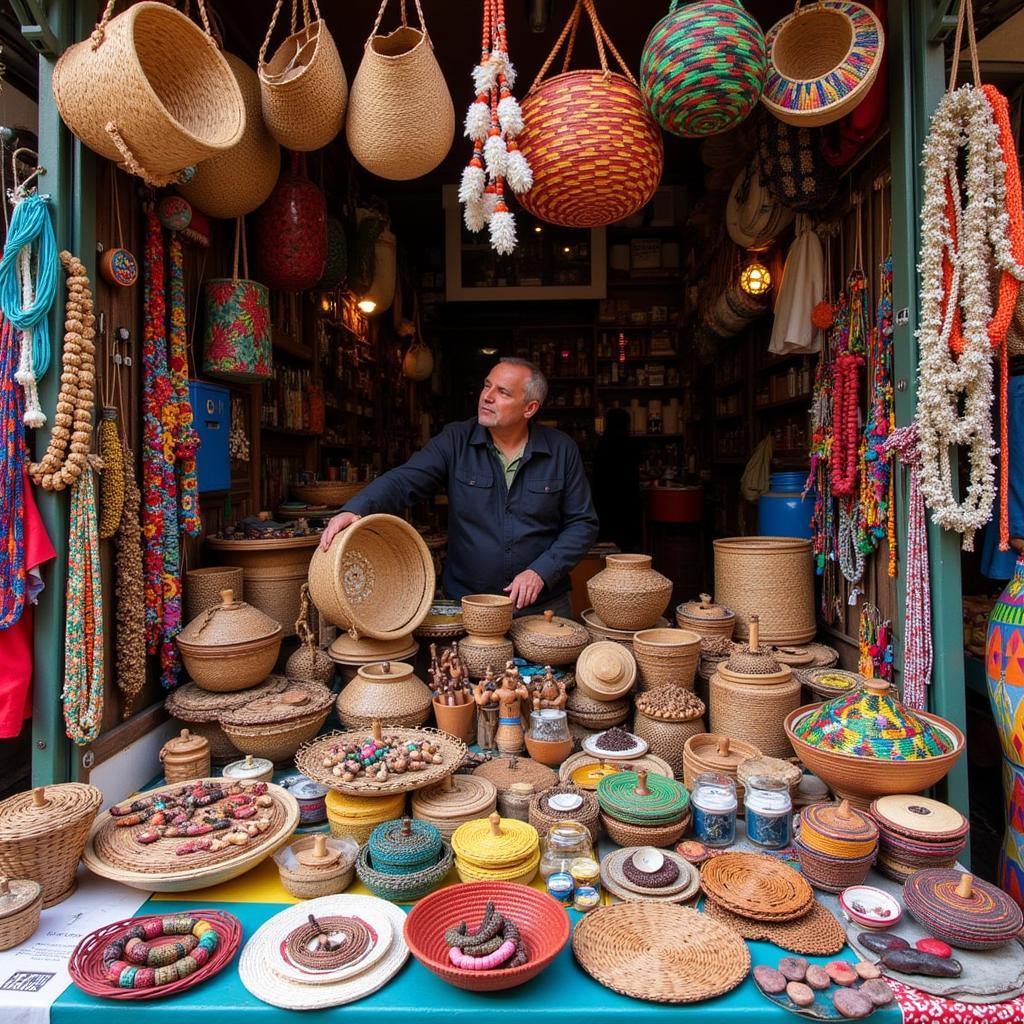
(16, 642)
(921, 1008)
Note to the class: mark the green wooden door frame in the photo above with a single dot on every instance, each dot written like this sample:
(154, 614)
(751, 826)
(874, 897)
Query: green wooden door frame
(70, 182)
(917, 29)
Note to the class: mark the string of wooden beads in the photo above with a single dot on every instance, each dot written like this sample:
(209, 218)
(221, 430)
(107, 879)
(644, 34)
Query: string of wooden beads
(71, 438)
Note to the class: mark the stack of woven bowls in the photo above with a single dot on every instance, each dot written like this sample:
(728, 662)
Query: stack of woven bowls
(454, 801)
(358, 816)
(666, 718)
(487, 618)
(404, 860)
(915, 832)
(750, 696)
(666, 657)
(642, 809)
(496, 849)
(705, 618)
(588, 715)
(712, 753)
(836, 845)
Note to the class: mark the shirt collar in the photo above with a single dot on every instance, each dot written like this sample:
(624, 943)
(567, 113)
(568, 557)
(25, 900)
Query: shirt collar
(536, 439)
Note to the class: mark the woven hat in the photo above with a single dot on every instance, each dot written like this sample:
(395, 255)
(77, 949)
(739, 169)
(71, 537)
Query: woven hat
(605, 671)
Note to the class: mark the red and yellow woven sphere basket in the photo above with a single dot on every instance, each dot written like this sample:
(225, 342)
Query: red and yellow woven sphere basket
(595, 152)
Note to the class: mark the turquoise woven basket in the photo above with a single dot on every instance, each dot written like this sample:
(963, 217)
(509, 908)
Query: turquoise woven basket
(403, 846)
(404, 888)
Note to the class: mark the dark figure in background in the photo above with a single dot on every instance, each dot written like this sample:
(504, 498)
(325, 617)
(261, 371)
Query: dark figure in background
(616, 483)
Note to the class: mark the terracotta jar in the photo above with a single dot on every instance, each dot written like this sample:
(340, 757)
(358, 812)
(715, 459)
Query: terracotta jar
(388, 692)
(458, 720)
(628, 593)
(185, 757)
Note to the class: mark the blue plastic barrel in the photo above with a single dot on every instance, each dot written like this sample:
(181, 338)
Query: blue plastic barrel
(781, 512)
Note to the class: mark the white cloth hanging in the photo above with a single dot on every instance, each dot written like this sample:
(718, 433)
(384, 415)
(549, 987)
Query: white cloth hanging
(803, 287)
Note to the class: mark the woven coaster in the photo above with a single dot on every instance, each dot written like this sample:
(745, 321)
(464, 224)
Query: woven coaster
(659, 952)
(686, 887)
(817, 933)
(756, 886)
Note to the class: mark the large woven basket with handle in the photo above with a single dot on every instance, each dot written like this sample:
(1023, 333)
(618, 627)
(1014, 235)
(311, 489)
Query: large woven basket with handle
(595, 152)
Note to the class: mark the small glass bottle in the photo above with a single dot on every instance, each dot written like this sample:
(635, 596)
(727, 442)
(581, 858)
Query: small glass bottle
(586, 878)
(564, 843)
(769, 812)
(714, 809)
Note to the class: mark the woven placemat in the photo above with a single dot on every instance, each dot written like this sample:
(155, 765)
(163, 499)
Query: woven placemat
(817, 933)
(686, 887)
(756, 886)
(659, 952)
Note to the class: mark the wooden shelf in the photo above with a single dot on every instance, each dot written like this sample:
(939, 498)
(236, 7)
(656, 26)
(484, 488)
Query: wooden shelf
(639, 387)
(783, 402)
(645, 282)
(284, 343)
(730, 386)
(287, 430)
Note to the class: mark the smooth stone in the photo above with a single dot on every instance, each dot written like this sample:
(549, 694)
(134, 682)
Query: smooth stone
(793, 968)
(817, 978)
(867, 971)
(800, 993)
(771, 980)
(850, 1003)
(934, 946)
(842, 972)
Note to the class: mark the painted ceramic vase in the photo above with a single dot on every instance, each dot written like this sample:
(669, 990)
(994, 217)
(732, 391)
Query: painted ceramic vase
(238, 345)
(1004, 673)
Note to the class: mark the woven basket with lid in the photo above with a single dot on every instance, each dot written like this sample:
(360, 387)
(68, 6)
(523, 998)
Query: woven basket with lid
(407, 887)
(543, 814)
(317, 866)
(185, 757)
(21, 903)
(705, 617)
(454, 801)
(838, 830)
(503, 772)
(43, 833)
(496, 849)
(230, 646)
(666, 657)
(605, 671)
(388, 692)
(715, 753)
(404, 846)
(628, 593)
(667, 730)
(548, 639)
(276, 723)
(358, 816)
(642, 798)
(376, 580)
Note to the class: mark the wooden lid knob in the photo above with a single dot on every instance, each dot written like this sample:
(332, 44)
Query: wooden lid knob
(549, 615)
(248, 760)
(319, 856)
(877, 686)
(39, 796)
(755, 633)
(377, 734)
(641, 783)
(495, 820)
(184, 735)
(294, 698)
(843, 810)
(5, 886)
(227, 596)
(407, 826)
(965, 887)
(706, 601)
(723, 746)
(448, 784)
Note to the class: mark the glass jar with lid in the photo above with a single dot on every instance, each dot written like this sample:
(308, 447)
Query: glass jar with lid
(769, 812)
(563, 843)
(549, 725)
(714, 809)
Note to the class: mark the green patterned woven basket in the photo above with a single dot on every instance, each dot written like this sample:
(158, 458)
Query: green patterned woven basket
(703, 68)
(404, 888)
(402, 846)
(665, 802)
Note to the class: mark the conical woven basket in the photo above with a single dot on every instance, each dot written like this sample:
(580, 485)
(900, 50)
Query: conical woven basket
(152, 93)
(43, 833)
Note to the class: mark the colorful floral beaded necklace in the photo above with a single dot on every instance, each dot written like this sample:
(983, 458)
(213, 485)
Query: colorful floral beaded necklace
(12, 483)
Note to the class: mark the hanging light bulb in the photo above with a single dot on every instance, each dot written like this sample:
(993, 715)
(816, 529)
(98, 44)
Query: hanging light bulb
(367, 306)
(756, 278)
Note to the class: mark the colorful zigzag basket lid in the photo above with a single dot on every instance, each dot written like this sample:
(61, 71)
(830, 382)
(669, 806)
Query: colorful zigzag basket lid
(874, 723)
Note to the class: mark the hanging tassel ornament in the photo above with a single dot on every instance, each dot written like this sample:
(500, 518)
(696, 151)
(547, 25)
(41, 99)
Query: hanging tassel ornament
(478, 119)
(474, 180)
(503, 227)
(517, 171)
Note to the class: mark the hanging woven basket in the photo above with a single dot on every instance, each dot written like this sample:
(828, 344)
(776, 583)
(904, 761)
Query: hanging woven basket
(595, 152)
(401, 120)
(822, 60)
(234, 183)
(303, 88)
(703, 67)
(150, 90)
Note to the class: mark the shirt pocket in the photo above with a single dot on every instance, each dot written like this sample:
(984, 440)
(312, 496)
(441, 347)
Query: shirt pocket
(474, 492)
(542, 500)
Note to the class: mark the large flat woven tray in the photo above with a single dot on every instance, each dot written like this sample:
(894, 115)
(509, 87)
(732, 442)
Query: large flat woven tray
(817, 933)
(756, 886)
(310, 761)
(114, 853)
(660, 952)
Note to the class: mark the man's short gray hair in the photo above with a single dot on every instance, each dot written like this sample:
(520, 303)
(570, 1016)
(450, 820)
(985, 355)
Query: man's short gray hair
(536, 389)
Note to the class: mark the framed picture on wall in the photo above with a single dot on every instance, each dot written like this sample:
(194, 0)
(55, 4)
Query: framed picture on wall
(549, 262)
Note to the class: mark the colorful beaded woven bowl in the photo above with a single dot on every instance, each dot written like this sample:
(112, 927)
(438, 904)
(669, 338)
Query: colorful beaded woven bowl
(88, 972)
(641, 798)
(542, 923)
(960, 909)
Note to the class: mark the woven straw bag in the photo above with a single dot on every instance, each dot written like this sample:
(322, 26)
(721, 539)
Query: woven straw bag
(822, 60)
(234, 183)
(401, 120)
(151, 90)
(303, 88)
(596, 153)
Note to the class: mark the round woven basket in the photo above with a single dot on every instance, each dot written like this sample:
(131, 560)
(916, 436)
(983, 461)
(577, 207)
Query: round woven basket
(325, 492)
(486, 615)
(43, 833)
(831, 874)
(154, 94)
(547, 640)
(453, 802)
(235, 183)
(376, 580)
(481, 655)
(307, 881)
(303, 87)
(21, 904)
(705, 617)
(714, 753)
(666, 657)
(628, 593)
(357, 817)
(388, 692)
(203, 587)
(275, 725)
(409, 887)
(823, 58)
(667, 736)
(768, 576)
(542, 816)
(754, 714)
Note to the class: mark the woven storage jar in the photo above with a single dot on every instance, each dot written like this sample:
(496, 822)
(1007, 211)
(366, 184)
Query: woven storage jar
(234, 183)
(203, 587)
(482, 653)
(150, 90)
(666, 657)
(303, 88)
(596, 154)
(401, 120)
(755, 714)
(823, 59)
(706, 618)
(43, 834)
(21, 903)
(665, 731)
(702, 68)
(487, 614)
(376, 580)
(185, 757)
(276, 724)
(772, 577)
(358, 816)
(388, 692)
(548, 639)
(628, 593)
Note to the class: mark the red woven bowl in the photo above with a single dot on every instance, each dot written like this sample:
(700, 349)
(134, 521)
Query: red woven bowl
(86, 963)
(542, 922)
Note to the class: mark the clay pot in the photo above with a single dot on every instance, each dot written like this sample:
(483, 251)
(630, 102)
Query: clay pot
(458, 720)
(549, 752)
(628, 593)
